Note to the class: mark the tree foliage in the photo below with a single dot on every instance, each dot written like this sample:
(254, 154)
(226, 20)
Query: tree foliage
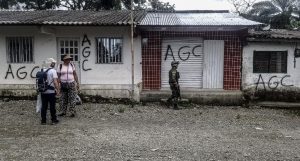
(242, 6)
(7, 4)
(91, 4)
(278, 13)
(116, 4)
(87, 4)
(40, 4)
(161, 6)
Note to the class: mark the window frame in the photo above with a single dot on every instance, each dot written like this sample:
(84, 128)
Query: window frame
(60, 56)
(284, 57)
(31, 57)
(97, 60)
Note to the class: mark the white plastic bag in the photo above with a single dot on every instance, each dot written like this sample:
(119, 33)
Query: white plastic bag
(39, 103)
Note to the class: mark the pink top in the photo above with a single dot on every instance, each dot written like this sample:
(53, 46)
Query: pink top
(66, 72)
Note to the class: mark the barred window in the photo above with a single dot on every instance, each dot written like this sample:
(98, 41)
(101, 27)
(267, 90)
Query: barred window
(109, 50)
(270, 62)
(68, 46)
(19, 49)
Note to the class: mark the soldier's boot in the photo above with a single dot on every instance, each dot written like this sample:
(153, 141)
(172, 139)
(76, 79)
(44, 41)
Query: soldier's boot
(169, 102)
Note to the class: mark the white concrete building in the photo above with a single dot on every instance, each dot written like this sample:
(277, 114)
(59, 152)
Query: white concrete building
(208, 45)
(271, 64)
(100, 47)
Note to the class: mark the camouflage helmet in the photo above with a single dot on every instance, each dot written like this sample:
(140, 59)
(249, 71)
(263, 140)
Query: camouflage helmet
(174, 63)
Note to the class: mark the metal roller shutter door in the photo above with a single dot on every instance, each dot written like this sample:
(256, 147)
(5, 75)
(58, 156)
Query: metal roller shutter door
(189, 52)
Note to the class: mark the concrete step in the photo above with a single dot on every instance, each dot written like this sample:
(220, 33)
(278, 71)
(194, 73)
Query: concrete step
(220, 97)
(278, 104)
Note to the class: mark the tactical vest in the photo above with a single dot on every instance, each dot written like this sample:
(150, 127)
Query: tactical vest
(173, 76)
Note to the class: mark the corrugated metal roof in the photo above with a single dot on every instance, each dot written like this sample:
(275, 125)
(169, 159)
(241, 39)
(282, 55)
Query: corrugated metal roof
(196, 18)
(66, 17)
(274, 34)
(122, 17)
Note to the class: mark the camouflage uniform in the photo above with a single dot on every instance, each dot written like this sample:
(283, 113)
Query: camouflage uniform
(173, 81)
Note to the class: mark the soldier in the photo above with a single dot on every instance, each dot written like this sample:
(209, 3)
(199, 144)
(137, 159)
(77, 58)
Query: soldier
(173, 81)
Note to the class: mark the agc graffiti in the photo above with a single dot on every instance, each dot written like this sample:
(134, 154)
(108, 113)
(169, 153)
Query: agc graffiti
(273, 82)
(184, 52)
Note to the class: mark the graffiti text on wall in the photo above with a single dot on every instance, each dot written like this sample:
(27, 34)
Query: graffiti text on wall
(273, 82)
(184, 52)
(20, 72)
(86, 52)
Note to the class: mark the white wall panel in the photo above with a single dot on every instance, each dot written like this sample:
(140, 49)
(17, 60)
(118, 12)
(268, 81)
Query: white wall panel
(45, 45)
(292, 77)
(213, 64)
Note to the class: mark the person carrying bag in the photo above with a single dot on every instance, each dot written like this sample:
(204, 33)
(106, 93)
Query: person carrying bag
(50, 90)
(69, 86)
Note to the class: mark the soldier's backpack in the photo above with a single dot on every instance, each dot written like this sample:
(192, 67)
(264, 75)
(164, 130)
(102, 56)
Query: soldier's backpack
(42, 83)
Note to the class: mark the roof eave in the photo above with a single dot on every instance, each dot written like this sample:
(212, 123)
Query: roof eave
(64, 24)
(193, 27)
(253, 39)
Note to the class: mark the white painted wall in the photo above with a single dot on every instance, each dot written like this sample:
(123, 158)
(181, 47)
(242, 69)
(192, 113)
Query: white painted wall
(213, 71)
(112, 77)
(249, 78)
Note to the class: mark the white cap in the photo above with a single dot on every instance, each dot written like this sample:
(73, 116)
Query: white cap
(49, 61)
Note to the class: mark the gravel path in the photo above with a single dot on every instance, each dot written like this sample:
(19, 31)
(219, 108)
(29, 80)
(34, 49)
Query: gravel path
(113, 132)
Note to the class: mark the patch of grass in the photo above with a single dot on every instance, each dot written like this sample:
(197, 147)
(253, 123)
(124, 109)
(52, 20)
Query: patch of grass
(295, 112)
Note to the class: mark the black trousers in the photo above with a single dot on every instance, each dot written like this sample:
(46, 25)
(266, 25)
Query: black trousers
(175, 94)
(48, 98)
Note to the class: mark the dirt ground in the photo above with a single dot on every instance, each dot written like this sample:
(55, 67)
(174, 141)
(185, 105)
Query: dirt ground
(115, 132)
